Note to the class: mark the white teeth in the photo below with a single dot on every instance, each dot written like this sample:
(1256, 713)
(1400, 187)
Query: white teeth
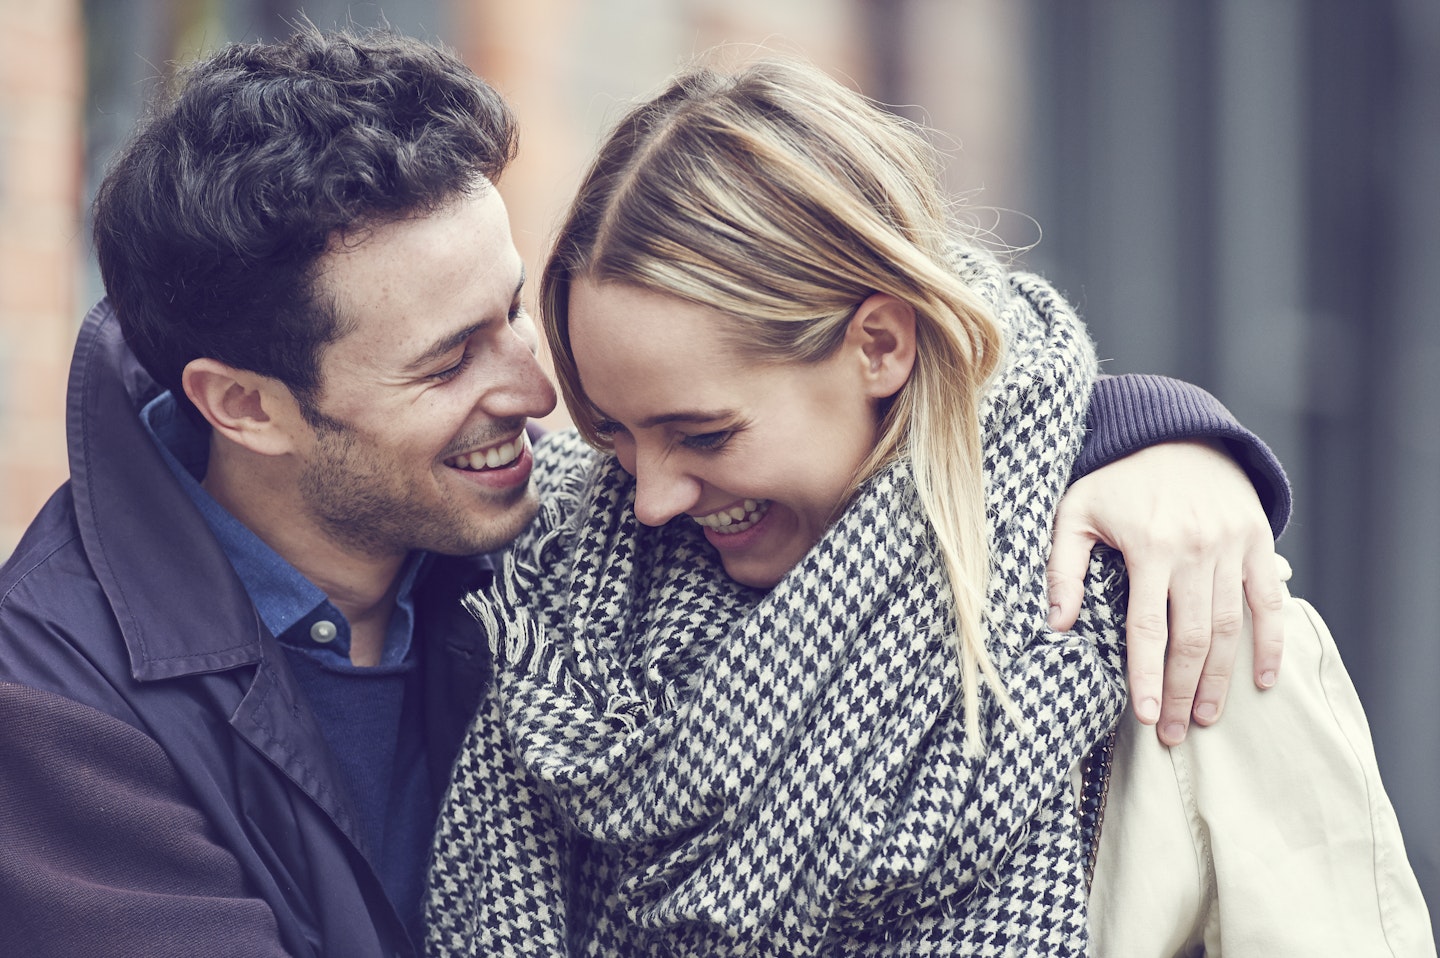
(492, 458)
(735, 519)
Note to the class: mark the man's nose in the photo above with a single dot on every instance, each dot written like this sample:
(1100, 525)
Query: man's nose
(527, 391)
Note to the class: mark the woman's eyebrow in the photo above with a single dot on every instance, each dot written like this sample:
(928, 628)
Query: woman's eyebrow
(683, 415)
(687, 415)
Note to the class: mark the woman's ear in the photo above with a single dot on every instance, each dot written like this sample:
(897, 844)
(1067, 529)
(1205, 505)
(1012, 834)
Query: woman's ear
(245, 408)
(882, 335)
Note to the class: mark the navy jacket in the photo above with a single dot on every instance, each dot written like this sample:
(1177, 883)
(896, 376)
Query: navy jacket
(163, 788)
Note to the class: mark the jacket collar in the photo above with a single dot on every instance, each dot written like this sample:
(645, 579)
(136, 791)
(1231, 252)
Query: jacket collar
(175, 596)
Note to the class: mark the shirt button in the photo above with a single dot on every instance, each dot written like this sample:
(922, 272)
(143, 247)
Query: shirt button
(323, 631)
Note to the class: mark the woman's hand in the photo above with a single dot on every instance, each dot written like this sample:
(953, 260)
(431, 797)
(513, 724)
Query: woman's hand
(1198, 548)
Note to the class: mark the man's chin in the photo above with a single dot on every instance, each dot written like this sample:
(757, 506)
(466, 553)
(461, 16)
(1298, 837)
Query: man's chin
(490, 532)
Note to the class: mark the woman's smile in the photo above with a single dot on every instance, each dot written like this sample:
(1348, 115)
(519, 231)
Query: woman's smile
(737, 518)
(760, 455)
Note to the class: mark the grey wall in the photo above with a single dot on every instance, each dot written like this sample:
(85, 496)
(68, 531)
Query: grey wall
(1244, 194)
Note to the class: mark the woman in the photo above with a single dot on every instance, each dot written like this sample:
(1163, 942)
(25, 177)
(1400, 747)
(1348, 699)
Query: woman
(821, 711)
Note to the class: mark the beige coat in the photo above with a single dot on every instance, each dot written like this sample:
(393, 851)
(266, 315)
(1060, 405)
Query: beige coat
(1268, 834)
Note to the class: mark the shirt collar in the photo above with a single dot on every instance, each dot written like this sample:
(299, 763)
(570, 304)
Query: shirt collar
(283, 597)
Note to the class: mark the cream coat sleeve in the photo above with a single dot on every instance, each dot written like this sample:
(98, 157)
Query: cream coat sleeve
(1268, 834)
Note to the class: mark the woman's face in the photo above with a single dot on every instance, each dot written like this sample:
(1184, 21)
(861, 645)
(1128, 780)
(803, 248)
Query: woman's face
(759, 455)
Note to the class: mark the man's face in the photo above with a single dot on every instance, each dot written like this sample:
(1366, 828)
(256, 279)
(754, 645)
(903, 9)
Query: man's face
(424, 397)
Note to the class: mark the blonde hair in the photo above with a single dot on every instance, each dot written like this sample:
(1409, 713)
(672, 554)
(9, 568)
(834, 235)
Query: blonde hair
(778, 196)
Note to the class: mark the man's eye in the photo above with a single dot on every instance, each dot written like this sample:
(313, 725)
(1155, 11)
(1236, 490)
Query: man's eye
(708, 440)
(450, 372)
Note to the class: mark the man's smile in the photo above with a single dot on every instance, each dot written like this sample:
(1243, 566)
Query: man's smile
(490, 457)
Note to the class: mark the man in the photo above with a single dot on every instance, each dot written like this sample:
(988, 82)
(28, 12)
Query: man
(234, 669)
(332, 314)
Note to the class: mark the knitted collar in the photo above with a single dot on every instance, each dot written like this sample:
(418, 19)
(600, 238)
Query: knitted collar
(674, 762)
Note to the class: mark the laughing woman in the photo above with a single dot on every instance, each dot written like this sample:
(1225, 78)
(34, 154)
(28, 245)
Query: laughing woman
(785, 685)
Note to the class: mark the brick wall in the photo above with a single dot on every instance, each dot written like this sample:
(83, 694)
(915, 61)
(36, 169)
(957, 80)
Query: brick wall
(41, 245)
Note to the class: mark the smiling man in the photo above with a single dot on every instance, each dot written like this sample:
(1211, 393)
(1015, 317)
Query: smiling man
(234, 667)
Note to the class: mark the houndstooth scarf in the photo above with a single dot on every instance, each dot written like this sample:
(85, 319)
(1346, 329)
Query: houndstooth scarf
(671, 763)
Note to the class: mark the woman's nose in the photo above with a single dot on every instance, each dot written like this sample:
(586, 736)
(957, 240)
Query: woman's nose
(662, 491)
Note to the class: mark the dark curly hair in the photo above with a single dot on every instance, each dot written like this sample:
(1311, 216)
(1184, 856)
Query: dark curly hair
(209, 225)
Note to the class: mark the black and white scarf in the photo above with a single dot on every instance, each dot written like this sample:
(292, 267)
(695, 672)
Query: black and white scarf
(673, 764)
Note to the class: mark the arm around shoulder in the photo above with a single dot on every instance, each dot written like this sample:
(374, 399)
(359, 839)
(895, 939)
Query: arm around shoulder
(103, 850)
(1128, 413)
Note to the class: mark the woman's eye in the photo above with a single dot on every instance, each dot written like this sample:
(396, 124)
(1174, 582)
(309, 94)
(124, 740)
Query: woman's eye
(708, 440)
(606, 432)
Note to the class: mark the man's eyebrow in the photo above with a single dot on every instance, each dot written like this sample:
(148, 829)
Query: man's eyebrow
(457, 338)
(438, 349)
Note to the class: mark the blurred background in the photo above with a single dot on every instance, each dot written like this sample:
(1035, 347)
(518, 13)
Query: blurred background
(1242, 193)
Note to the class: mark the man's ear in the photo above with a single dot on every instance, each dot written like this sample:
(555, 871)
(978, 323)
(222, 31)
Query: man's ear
(882, 335)
(246, 408)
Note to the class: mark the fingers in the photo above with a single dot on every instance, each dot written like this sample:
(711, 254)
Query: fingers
(1226, 624)
(1191, 598)
(1198, 549)
(1066, 570)
(1214, 639)
(1265, 593)
(1146, 629)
